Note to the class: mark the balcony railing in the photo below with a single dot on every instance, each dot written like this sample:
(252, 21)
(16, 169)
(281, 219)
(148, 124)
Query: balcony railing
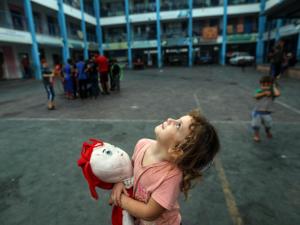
(53, 29)
(91, 37)
(13, 21)
(237, 2)
(175, 5)
(142, 8)
(206, 3)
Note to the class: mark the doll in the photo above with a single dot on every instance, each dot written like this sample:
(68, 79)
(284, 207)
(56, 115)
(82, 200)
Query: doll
(103, 165)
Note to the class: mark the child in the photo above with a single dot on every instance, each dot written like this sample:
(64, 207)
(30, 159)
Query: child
(166, 166)
(48, 83)
(68, 82)
(262, 111)
(115, 73)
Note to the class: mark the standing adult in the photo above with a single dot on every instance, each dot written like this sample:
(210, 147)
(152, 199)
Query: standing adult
(103, 69)
(276, 59)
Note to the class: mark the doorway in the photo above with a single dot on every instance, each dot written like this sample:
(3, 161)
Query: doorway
(2, 71)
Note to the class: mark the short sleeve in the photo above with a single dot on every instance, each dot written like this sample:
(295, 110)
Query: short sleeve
(139, 145)
(168, 192)
(257, 91)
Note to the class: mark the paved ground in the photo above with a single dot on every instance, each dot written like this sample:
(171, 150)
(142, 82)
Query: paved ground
(250, 184)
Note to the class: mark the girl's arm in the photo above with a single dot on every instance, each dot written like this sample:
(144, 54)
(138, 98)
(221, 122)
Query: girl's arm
(150, 211)
(147, 211)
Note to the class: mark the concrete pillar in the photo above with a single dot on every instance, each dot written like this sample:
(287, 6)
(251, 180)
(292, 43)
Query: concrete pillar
(98, 26)
(298, 48)
(190, 33)
(63, 31)
(83, 29)
(128, 30)
(158, 33)
(278, 25)
(35, 49)
(224, 34)
(261, 31)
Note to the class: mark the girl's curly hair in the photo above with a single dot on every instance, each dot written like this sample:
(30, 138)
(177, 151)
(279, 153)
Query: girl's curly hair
(199, 149)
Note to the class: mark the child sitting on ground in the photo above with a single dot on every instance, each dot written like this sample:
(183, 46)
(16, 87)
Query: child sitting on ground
(164, 167)
(263, 109)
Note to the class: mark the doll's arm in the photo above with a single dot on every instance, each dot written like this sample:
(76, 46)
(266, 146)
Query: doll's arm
(146, 211)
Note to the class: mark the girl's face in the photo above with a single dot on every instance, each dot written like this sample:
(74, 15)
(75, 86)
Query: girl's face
(173, 131)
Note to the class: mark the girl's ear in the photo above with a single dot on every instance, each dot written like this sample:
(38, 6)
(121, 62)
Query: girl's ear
(175, 153)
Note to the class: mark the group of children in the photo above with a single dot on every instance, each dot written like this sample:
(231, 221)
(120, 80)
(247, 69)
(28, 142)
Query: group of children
(81, 79)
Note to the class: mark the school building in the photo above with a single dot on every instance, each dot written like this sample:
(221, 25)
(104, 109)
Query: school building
(155, 32)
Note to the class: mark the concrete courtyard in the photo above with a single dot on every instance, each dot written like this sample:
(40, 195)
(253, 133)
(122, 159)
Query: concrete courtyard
(249, 184)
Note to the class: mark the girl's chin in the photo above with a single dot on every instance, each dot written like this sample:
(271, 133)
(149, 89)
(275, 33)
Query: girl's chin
(157, 129)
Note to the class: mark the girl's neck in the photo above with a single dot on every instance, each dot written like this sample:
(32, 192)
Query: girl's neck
(158, 152)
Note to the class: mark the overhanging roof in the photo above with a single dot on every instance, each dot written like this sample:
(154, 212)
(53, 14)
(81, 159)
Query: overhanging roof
(285, 9)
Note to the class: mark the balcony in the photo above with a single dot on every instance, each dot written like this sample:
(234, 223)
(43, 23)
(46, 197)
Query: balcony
(14, 21)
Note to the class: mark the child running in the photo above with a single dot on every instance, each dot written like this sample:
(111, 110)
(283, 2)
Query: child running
(164, 167)
(263, 109)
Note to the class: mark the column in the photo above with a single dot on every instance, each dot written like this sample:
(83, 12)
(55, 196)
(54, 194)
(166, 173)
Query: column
(224, 35)
(128, 30)
(159, 62)
(298, 48)
(261, 31)
(190, 33)
(63, 31)
(35, 49)
(98, 26)
(83, 29)
(278, 25)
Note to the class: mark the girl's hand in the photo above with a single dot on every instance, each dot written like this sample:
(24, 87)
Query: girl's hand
(115, 197)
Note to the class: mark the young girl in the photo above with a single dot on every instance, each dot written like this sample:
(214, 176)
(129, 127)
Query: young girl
(166, 166)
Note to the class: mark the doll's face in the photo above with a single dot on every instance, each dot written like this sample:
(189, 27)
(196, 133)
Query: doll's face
(110, 164)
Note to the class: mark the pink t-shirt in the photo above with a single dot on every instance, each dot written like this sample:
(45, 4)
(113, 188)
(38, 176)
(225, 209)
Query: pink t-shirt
(161, 181)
